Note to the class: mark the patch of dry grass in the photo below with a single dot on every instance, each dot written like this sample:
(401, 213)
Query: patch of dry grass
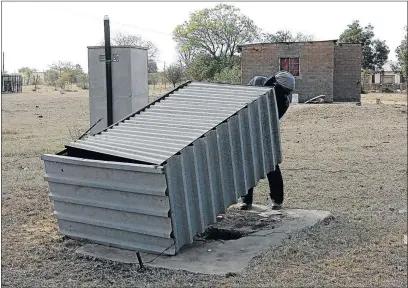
(9, 132)
(158, 90)
(385, 98)
(348, 159)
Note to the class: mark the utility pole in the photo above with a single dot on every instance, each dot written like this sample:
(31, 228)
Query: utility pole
(2, 69)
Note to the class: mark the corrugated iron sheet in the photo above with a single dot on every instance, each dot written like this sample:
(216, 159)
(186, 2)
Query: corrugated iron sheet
(213, 142)
(119, 204)
(205, 178)
(166, 127)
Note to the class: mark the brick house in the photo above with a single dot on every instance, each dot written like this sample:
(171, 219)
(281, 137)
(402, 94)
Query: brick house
(320, 67)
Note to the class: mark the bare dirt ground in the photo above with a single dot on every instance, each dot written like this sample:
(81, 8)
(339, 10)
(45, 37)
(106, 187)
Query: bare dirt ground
(348, 159)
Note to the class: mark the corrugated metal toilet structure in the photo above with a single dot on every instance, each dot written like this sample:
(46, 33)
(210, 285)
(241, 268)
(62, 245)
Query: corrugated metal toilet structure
(155, 179)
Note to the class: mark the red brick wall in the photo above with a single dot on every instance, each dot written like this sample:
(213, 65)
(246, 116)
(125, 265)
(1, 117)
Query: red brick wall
(316, 65)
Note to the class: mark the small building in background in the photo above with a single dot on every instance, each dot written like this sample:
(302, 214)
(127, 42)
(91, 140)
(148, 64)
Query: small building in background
(11, 83)
(385, 81)
(320, 67)
(387, 76)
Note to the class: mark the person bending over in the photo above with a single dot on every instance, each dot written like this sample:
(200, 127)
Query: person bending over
(283, 83)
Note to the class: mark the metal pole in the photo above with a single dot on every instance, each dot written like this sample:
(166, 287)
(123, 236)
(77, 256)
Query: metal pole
(139, 258)
(108, 62)
(3, 64)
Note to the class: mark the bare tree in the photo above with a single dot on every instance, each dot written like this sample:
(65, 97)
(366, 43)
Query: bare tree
(136, 40)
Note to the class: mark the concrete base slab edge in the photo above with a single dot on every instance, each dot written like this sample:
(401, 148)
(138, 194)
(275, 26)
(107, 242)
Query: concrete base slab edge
(216, 257)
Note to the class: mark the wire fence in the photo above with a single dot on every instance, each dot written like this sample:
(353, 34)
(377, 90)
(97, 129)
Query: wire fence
(386, 87)
(11, 83)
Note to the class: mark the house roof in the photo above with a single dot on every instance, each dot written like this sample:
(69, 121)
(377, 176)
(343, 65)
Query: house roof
(387, 66)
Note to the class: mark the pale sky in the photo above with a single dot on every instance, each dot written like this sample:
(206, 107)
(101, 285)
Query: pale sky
(35, 34)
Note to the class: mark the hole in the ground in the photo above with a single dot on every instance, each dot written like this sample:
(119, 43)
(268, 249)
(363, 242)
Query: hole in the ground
(213, 233)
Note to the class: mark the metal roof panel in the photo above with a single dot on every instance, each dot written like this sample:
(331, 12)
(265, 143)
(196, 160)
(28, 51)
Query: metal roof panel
(165, 127)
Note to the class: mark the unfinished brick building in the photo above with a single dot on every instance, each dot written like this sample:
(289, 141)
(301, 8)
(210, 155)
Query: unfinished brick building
(320, 67)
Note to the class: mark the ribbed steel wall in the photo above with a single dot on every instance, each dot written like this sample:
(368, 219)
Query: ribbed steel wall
(218, 168)
(210, 142)
(118, 204)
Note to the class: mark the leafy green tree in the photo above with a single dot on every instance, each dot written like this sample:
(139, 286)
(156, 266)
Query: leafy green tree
(64, 80)
(63, 74)
(375, 52)
(174, 74)
(72, 74)
(185, 54)
(380, 54)
(204, 67)
(61, 67)
(51, 77)
(402, 57)
(207, 42)
(27, 74)
(229, 75)
(83, 81)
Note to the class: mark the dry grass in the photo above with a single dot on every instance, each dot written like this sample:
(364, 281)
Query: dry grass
(159, 89)
(347, 159)
(385, 98)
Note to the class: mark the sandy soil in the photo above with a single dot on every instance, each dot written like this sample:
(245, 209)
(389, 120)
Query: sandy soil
(348, 159)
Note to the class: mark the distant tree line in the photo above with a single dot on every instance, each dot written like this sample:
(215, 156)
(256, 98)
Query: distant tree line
(207, 42)
(59, 74)
(207, 48)
(207, 45)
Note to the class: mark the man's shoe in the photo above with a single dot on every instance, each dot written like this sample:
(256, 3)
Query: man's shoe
(246, 206)
(276, 206)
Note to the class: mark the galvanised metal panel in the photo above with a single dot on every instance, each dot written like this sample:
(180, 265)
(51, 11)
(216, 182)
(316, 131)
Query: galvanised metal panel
(129, 83)
(118, 204)
(213, 142)
(178, 120)
(205, 178)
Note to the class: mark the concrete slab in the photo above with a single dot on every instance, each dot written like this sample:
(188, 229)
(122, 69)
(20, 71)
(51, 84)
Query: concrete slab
(267, 214)
(256, 209)
(216, 257)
